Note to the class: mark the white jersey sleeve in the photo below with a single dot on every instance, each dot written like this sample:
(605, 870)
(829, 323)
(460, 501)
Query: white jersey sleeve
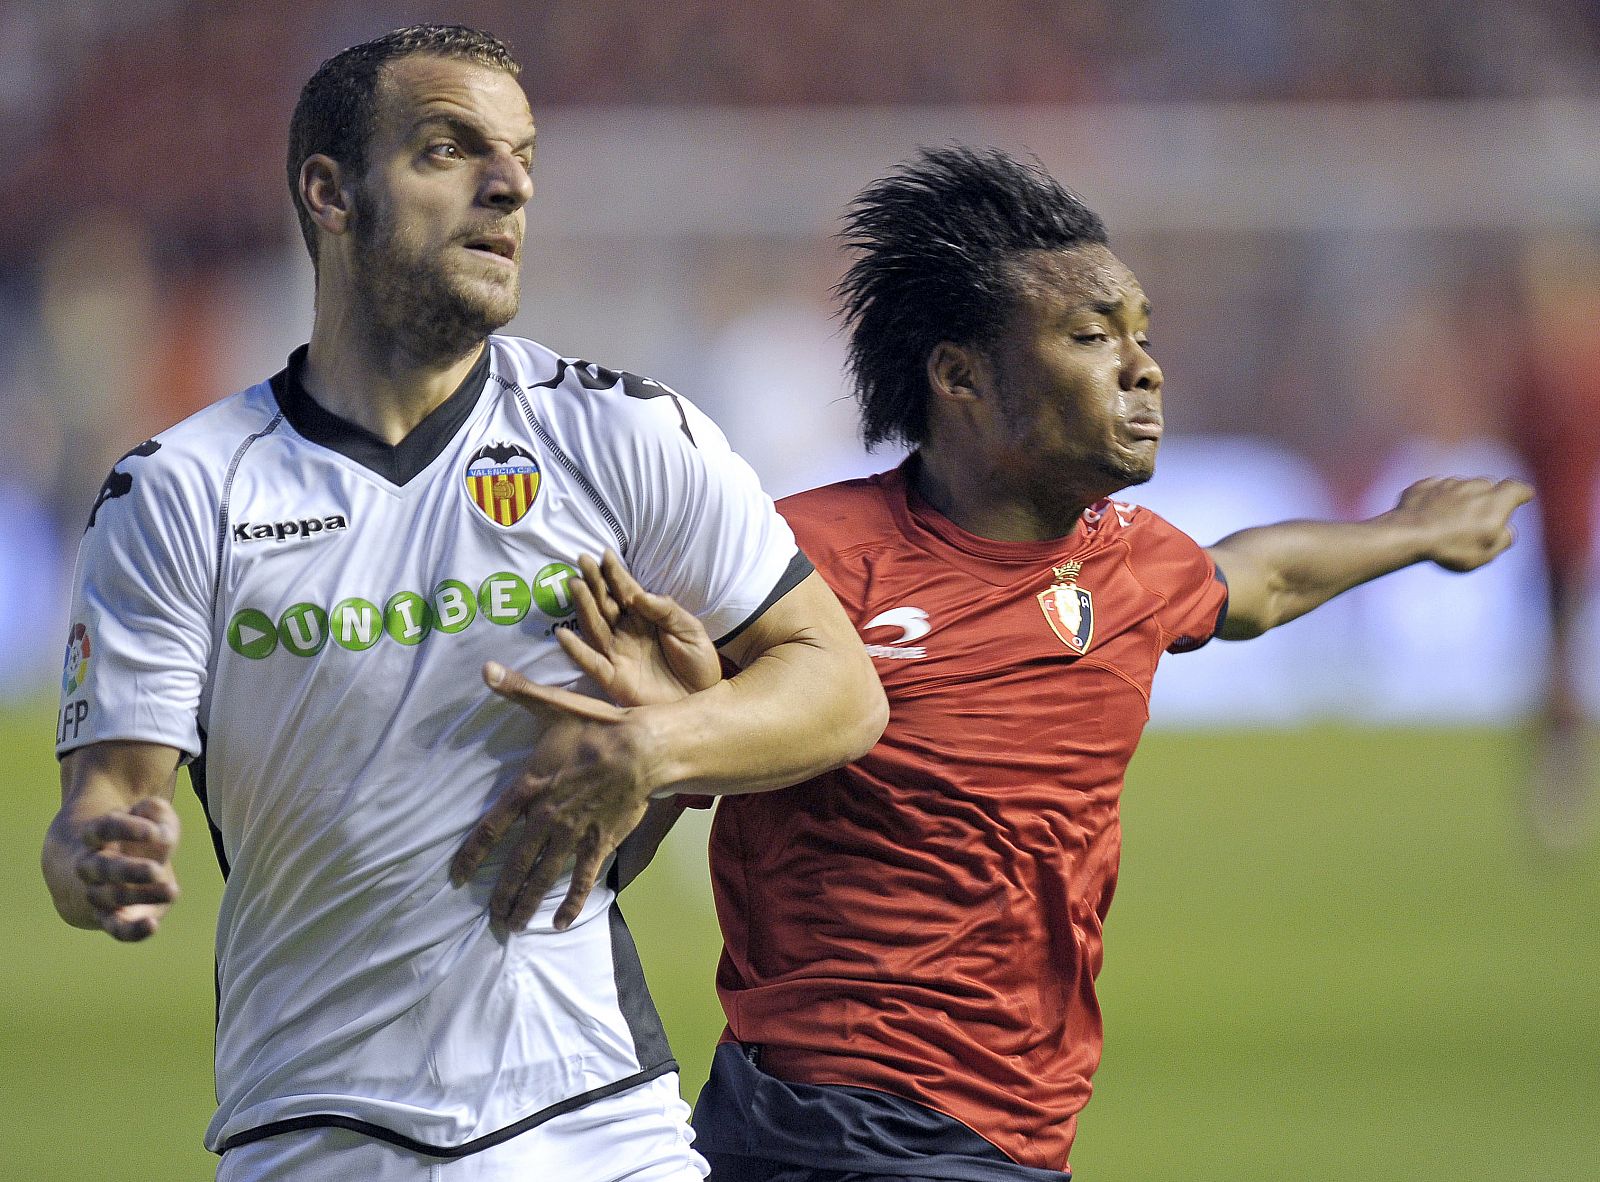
(704, 530)
(140, 630)
(692, 518)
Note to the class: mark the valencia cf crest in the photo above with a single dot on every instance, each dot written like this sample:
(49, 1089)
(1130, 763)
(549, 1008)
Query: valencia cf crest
(1069, 608)
(502, 480)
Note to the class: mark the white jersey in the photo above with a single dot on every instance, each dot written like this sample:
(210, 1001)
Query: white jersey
(305, 611)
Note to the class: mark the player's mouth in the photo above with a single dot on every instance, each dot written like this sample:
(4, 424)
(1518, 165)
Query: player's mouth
(1144, 428)
(501, 248)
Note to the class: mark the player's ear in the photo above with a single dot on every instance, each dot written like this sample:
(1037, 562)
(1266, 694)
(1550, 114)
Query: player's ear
(958, 373)
(325, 193)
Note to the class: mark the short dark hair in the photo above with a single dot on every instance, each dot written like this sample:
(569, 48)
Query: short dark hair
(937, 244)
(338, 107)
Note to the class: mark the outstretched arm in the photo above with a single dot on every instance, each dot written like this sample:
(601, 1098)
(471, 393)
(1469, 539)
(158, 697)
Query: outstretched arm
(108, 853)
(1276, 573)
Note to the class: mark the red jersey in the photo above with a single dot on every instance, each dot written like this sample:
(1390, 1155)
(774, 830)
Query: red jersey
(926, 921)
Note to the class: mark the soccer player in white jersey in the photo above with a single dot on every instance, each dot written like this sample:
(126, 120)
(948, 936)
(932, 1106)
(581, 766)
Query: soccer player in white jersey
(301, 591)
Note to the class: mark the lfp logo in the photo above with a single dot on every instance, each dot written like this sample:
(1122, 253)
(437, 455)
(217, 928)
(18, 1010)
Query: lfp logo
(76, 666)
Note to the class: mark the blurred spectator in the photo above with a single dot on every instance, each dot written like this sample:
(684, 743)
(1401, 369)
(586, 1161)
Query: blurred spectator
(1553, 417)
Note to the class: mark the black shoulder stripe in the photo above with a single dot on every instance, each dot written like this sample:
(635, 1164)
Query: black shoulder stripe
(793, 575)
(119, 483)
(598, 377)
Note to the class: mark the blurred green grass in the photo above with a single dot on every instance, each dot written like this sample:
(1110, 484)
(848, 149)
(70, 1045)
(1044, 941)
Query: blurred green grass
(1333, 954)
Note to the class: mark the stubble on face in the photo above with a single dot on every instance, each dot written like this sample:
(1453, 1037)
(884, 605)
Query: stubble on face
(416, 297)
(412, 299)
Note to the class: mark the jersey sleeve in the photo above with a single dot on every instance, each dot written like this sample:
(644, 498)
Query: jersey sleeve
(1174, 564)
(702, 528)
(140, 631)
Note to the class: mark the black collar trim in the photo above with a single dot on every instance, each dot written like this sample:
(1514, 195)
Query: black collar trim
(397, 463)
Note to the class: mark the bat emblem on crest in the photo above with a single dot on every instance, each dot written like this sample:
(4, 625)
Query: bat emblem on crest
(502, 480)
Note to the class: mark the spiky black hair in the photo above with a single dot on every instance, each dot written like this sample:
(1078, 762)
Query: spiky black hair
(937, 242)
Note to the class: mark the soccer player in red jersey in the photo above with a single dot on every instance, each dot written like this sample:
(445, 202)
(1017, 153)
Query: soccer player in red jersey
(911, 942)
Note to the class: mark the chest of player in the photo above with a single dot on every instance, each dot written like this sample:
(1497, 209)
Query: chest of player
(1048, 664)
(325, 564)
(924, 623)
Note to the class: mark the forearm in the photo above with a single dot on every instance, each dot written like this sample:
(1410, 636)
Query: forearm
(799, 709)
(1277, 573)
(101, 782)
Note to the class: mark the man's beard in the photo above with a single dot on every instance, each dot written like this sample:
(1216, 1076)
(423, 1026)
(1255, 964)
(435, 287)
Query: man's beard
(417, 309)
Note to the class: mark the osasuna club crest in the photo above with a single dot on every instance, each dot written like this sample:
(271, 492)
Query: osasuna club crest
(1069, 608)
(502, 480)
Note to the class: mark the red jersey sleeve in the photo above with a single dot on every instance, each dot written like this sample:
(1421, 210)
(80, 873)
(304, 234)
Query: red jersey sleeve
(1173, 565)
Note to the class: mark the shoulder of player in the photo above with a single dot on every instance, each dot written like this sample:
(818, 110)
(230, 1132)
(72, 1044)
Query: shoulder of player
(1132, 524)
(571, 389)
(837, 522)
(1155, 548)
(192, 457)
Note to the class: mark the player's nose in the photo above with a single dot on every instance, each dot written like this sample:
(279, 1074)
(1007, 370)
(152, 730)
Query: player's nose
(1140, 371)
(507, 183)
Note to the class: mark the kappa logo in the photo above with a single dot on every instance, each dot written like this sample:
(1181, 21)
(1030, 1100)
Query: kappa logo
(282, 531)
(913, 625)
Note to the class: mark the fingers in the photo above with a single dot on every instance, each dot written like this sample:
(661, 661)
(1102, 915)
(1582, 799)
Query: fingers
(112, 896)
(546, 702)
(595, 614)
(485, 835)
(585, 873)
(661, 610)
(114, 867)
(619, 578)
(595, 580)
(128, 827)
(531, 869)
(585, 656)
(528, 877)
(131, 924)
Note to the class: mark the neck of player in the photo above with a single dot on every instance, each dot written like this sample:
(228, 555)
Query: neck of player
(992, 500)
(367, 377)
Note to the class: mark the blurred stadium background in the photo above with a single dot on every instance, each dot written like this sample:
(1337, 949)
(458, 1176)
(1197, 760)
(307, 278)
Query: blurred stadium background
(1362, 223)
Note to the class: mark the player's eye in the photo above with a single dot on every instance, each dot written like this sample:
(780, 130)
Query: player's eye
(444, 150)
(1090, 336)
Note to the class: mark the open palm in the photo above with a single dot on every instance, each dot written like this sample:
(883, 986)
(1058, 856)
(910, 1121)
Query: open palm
(641, 648)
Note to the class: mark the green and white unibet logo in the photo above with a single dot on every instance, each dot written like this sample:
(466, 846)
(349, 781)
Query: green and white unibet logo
(405, 618)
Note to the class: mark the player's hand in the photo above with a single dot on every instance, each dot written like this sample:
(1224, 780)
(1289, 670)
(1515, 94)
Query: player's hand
(640, 647)
(581, 792)
(1467, 521)
(126, 865)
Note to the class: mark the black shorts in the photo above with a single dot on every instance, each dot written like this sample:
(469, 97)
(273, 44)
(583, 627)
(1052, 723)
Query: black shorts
(753, 1127)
